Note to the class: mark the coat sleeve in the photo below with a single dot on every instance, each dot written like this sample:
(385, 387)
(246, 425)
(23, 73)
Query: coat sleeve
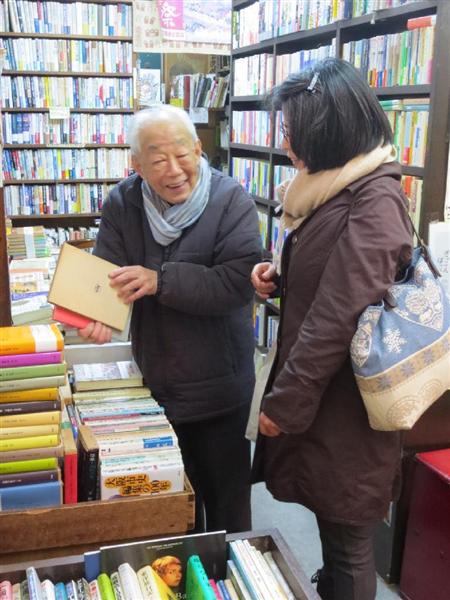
(202, 290)
(362, 265)
(109, 243)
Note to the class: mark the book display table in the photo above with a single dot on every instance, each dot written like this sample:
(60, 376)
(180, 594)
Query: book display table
(72, 566)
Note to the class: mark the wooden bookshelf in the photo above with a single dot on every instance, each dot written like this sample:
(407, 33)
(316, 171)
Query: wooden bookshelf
(76, 78)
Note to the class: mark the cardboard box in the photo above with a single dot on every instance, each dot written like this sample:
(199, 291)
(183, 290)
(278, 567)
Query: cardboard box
(76, 528)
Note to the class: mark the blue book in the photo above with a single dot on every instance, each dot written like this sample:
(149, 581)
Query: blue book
(37, 495)
(60, 591)
(223, 589)
(34, 584)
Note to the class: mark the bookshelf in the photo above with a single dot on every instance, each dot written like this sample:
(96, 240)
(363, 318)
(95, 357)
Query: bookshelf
(268, 54)
(67, 95)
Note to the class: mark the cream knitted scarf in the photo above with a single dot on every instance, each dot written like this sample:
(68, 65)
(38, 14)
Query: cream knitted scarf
(305, 192)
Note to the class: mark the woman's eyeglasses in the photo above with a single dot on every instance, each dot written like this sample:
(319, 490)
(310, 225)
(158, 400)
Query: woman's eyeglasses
(284, 131)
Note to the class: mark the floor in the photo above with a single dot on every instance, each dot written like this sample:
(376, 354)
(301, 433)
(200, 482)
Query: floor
(298, 527)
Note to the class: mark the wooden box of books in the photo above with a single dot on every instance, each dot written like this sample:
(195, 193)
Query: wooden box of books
(200, 565)
(75, 527)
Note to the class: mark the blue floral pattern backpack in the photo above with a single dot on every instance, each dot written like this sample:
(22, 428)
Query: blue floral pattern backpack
(401, 349)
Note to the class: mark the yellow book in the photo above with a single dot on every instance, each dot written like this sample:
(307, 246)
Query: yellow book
(21, 466)
(30, 395)
(52, 417)
(30, 338)
(25, 431)
(38, 441)
(81, 284)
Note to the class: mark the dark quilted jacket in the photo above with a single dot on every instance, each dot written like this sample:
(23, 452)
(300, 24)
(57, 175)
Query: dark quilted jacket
(194, 340)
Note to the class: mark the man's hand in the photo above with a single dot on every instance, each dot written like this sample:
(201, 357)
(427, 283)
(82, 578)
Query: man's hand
(268, 427)
(96, 332)
(131, 283)
(261, 278)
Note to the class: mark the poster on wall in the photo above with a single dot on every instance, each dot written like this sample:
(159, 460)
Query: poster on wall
(195, 26)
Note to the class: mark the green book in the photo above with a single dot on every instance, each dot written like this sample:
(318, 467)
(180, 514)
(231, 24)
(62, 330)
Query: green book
(9, 373)
(197, 584)
(105, 587)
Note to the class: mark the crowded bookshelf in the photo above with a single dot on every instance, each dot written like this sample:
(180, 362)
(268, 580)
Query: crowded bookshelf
(75, 418)
(398, 46)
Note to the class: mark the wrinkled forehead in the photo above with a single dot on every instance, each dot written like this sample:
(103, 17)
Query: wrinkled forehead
(165, 136)
(167, 145)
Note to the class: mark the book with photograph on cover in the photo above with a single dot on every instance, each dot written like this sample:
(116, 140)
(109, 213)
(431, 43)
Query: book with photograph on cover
(170, 554)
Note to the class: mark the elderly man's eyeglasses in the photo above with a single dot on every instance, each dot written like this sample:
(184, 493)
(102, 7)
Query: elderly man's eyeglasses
(284, 130)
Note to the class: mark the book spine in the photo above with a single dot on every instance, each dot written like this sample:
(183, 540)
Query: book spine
(16, 373)
(105, 587)
(48, 590)
(26, 360)
(60, 591)
(129, 582)
(34, 584)
(20, 466)
(52, 417)
(38, 441)
(31, 453)
(26, 478)
(34, 395)
(197, 584)
(12, 385)
(37, 495)
(115, 582)
(94, 590)
(28, 431)
(70, 467)
(5, 590)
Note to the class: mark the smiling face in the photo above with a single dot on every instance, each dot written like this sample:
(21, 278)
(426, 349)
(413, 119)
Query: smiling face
(168, 159)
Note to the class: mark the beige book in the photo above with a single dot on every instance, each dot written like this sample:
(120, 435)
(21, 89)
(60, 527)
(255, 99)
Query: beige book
(81, 284)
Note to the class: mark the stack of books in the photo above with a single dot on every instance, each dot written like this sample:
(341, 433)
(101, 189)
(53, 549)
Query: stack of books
(28, 242)
(126, 445)
(29, 284)
(31, 371)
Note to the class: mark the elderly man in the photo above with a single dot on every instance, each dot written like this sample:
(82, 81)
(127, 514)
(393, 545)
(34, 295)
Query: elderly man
(186, 239)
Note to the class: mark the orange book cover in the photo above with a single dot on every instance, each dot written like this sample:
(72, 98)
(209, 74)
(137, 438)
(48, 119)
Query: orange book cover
(30, 395)
(25, 339)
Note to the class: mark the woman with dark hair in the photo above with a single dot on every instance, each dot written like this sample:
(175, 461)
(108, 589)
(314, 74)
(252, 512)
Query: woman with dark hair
(349, 239)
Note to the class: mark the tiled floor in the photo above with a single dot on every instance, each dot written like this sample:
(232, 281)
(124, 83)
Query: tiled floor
(298, 527)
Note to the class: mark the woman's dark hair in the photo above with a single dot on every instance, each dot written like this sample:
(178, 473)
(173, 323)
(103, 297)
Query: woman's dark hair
(331, 113)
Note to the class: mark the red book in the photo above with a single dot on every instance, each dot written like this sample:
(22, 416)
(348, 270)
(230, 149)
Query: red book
(69, 317)
(418, 22)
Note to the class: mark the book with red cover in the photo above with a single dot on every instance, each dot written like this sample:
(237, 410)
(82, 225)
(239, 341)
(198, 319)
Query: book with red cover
(69, 317)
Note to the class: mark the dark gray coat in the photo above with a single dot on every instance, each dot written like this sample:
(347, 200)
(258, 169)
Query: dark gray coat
(340, 260)
(194, 340)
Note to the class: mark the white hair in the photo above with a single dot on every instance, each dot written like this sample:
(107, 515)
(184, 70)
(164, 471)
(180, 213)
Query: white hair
(155, 114)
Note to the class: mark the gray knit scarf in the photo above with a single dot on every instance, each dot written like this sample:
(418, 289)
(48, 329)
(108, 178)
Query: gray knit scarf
(167, 221)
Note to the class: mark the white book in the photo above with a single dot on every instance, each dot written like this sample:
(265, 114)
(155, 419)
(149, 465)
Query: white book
(266, 573)
(278, 574)
(129, 582)
(48, 590)
(230, 589)
(94, 590)
(116, 585)
(141, 480)
(234, 575)
(253, 575)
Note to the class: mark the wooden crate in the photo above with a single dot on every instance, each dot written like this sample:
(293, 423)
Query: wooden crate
(72, 567)
(76, 528)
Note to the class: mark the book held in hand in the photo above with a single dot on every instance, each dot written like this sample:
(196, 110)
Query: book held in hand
(89, 293)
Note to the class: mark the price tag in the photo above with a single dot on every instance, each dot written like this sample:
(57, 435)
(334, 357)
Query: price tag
(59, 112)
(199, 115)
